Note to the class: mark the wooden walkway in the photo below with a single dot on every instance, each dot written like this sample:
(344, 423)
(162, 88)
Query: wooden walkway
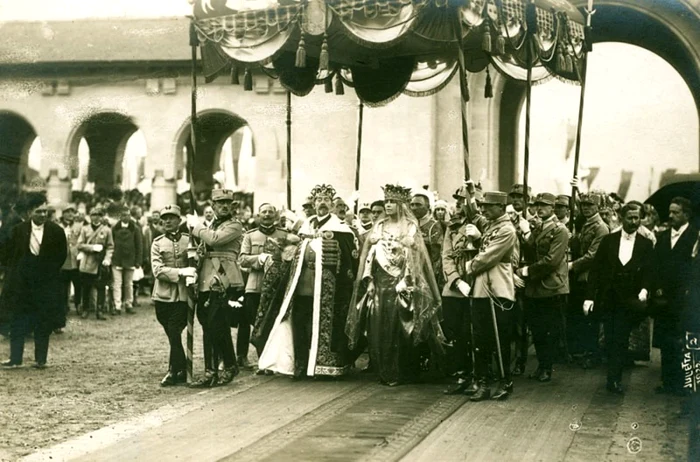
(573, 418)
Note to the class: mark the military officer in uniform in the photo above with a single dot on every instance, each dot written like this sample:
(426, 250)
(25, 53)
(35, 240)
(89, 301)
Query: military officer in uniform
(220, 280)
(518, 199)
(430, 229)
(261, 246)
(582, 331)
(493, 292)
(170, 295)
(562, 210)
(546, 284)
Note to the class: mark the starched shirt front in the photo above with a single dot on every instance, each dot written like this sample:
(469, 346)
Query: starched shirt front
(676, 234)
(36, 238)
(626, 247)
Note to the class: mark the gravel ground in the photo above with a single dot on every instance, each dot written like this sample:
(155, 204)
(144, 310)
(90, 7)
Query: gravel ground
(100, 372)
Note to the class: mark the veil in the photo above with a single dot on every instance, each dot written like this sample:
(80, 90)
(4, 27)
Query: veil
(424, 297)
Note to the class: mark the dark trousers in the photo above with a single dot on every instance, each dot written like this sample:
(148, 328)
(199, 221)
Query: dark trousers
(581, 330)
(485, 334)
(457, 327)
(88, 289)
(214, 314)
(520, 332)
(69, 277)
(671, 359)
(544, 318)
(301, 332)
(21, 325)
(618, 324)
(173, 318)
(247, 319)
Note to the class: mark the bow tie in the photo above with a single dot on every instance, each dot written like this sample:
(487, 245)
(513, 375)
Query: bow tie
(627, 237)
(675, 233)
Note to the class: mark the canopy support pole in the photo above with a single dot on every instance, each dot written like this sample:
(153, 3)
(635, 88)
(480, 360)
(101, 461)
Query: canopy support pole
(464, 95)
(289, 150)
(531, 20)
(358, 160)
(194, 43)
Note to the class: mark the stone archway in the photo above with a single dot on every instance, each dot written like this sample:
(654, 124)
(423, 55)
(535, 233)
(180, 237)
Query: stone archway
(106, 135)
(669, 29)
(16, 138)
(215, 128)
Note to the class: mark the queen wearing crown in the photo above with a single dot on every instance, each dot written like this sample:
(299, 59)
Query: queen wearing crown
(396, 301)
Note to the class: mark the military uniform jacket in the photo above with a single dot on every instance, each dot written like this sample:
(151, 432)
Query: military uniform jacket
(549, 274)
(492, 267)
(593, 231)
(91, 261)
(168, 255)
(433, 235)
(72, 236)
(256, 242)
(222, 245)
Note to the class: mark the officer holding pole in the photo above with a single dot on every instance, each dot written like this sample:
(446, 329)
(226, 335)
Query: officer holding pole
(493, 296)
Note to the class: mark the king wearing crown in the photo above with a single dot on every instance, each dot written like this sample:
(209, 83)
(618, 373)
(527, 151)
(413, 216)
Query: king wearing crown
(308, 337)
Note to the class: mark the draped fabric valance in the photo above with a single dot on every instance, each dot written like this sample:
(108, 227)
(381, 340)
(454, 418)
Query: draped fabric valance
(384, 48)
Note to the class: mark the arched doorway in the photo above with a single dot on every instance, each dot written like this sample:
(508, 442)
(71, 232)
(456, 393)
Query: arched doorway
(105, 137)
(640, 122)
(17, 139)
(670, 30)
(224, 152)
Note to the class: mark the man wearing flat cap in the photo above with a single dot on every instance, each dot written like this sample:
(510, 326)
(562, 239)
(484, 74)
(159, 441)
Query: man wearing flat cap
(31, 295)
(171, 268)
(70, 274)
(317, 293)
(582, 331)
(546, 284)
(493, 294)
(96, 247)
(220, 280)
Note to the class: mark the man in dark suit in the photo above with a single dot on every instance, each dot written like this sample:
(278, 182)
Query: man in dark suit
(620, 282)
(673, 258)
(32, 292)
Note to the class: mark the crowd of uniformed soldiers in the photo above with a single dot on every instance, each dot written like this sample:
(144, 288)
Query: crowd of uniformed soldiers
(514, 269)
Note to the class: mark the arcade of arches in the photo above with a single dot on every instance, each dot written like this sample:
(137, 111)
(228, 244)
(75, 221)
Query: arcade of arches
(134, 128)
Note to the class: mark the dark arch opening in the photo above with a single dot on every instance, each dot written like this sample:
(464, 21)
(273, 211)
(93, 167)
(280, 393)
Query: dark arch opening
(16, 137)
(213, 129)
(106, 135)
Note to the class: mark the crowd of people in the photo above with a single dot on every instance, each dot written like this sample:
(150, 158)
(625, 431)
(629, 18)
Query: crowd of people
(462, 287)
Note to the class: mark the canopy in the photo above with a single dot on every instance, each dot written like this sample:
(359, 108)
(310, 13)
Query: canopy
(384, 48)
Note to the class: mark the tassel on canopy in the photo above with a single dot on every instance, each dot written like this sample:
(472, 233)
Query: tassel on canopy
(488, 89)
(248, 80)
(324, 58)
(486, 41)
(339, 87)
(301, 53)
(500, 45)
(235, 80)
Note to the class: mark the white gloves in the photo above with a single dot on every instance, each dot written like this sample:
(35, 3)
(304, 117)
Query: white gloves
(642, 295)
(188, 272)
(401, 286)
(472, 231)
(463, 288)
(571, 266)
(524, 226)
(587, 307)
(262, 258)
(97, 247)
(524, 271)
(518, 281)
(574, 182)
(192, 221)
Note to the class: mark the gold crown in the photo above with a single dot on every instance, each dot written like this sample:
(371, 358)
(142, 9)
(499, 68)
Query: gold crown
(396, 193)
(322, 190)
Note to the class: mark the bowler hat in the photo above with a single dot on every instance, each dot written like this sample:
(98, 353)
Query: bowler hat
(562, 199)
(545, 198)
(221, 195)
(494, 197)
(170, 210)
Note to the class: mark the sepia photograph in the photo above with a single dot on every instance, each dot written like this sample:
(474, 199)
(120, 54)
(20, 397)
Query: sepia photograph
(349, 230)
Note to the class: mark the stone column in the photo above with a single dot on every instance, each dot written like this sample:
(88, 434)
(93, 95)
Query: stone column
(58, 190)
(163, 191)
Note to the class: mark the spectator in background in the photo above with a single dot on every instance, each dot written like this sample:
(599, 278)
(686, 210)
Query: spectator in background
(209, 216)
(95, 246)
(70, 274)
(128, 243)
